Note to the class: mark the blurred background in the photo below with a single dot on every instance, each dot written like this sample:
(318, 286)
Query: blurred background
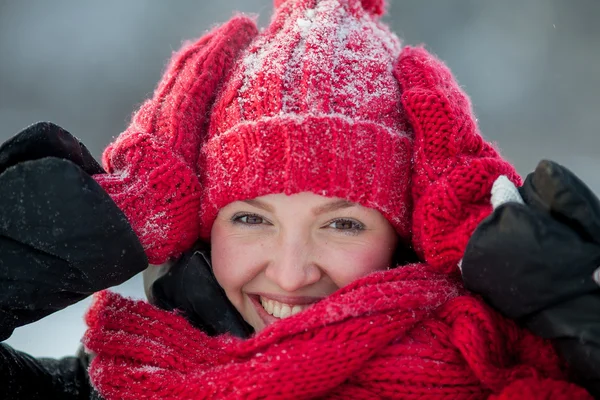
(531, 68)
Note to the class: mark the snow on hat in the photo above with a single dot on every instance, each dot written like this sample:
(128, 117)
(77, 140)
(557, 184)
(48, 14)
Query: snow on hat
(313, 106)
(323, 100)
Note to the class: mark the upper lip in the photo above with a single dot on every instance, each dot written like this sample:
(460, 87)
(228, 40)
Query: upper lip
(291, 300)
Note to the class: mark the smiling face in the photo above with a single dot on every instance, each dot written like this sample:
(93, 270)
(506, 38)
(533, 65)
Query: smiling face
(276, 255)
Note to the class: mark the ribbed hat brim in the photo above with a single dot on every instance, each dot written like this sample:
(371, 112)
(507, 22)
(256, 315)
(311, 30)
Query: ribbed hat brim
(329, 155)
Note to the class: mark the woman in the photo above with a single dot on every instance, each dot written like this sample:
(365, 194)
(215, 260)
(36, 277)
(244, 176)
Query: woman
(312, 158)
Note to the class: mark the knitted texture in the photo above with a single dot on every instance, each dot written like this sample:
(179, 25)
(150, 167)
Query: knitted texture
(152, 166)
(406, 333)
(313, 105)
(323, 101)
(454, 169)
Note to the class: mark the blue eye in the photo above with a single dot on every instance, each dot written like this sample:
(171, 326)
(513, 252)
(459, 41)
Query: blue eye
(248, 219)
(347, 225)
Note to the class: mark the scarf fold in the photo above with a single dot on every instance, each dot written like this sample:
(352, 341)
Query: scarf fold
(405, 333)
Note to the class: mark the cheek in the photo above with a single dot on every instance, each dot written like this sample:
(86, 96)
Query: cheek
(234, 262)
(348, 262)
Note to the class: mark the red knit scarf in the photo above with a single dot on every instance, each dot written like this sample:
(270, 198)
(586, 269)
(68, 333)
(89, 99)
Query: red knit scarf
(404, 333)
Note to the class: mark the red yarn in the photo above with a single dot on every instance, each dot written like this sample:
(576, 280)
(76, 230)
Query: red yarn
(152, 165)
(406, 333)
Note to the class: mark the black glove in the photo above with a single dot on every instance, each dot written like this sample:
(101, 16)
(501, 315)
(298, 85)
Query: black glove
(535, 263)
(45, 139)
(62, 238)
(190, 287)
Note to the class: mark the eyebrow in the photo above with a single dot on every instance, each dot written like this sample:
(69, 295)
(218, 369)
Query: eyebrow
(333, 206)
(260, 204)
(325, 208)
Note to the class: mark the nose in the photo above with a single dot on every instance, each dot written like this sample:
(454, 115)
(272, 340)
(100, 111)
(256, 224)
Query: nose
(292, 265)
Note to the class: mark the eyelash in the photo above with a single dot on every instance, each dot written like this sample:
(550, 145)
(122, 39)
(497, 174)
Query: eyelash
(356, 226)
(236, 219)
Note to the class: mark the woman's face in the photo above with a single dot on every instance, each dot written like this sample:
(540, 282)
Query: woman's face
(276, 255)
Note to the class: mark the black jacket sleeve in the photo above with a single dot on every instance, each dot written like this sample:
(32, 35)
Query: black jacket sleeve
(26, 377)
(535, 262)
(61, 239)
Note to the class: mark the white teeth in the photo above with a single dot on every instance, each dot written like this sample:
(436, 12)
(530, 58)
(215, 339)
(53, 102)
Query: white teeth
(286, 311)
(267, 305)
(277, 309)
(281, 310)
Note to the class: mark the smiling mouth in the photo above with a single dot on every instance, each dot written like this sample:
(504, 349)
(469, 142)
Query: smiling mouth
(281, 310)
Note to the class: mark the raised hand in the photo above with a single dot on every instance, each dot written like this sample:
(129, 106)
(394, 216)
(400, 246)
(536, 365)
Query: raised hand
(535, 262)
(62, 238)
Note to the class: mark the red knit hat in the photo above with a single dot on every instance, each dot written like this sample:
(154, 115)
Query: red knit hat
(323, 100)
(313, 106)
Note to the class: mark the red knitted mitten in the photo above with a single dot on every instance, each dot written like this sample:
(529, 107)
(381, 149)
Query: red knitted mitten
(151, 166)
(453, 167)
